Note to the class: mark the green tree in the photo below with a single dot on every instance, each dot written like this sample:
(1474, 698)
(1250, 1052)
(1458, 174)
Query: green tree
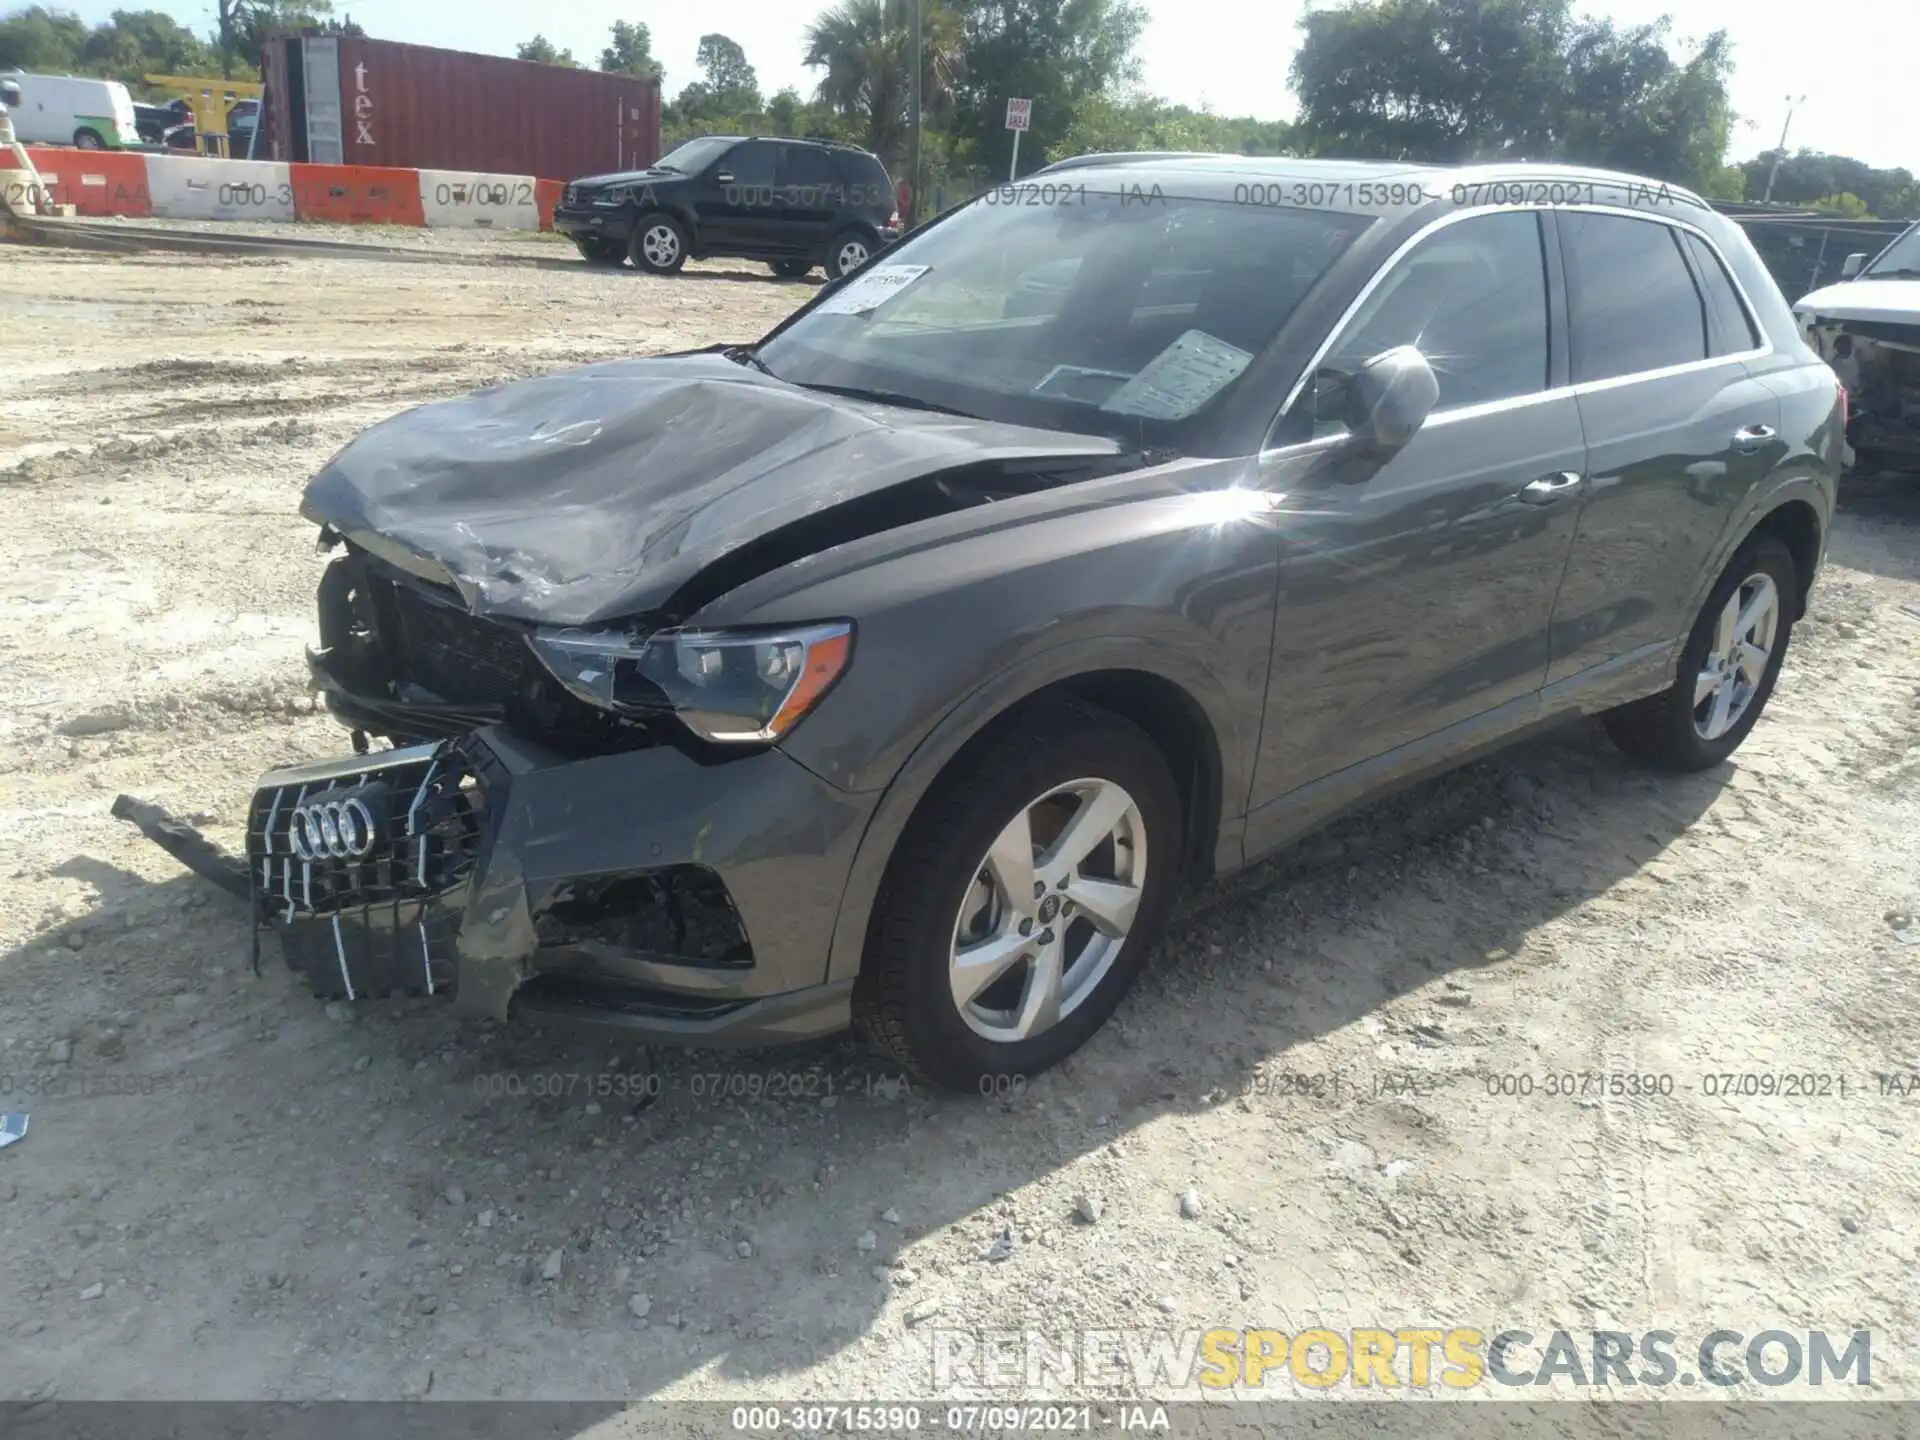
(542, 51)
(1455, 80)
(1126, 120)
(1808, 176)
(241, 27)
(783, 111)
(630, 52)
(866, 49)
(41, 39)
(1057, 53)
(728, 94)
(134, 43)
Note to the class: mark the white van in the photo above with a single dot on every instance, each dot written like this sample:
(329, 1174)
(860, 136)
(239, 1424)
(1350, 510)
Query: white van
(73, 110)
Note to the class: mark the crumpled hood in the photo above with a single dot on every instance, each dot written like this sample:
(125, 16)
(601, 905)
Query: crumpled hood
(596, 493)
(1897, 301)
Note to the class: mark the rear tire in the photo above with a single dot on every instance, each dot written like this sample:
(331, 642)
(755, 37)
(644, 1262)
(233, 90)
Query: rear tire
(658, 244)
(86, 139)
(1057, 772)
(1684, 728)
(850, 250)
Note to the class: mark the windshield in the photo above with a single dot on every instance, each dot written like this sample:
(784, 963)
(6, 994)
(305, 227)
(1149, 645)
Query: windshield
(1903, 254)
(1106, 314)
(695, 155)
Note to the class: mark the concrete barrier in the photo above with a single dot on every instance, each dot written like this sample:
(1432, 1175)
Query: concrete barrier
(188, 188)
(198, 187)
(95, 182)
(460, 198)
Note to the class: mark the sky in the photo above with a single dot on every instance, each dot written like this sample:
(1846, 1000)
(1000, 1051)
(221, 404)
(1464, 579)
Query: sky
(1853, 63)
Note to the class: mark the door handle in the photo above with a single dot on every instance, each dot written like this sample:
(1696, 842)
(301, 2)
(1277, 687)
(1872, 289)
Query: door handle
(1752, 438)
(1549, 488)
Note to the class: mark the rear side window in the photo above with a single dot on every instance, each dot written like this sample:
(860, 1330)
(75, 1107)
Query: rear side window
(1732, 329)
(866, 172)
(1632, 302)
(804, 165)
(1472, 297)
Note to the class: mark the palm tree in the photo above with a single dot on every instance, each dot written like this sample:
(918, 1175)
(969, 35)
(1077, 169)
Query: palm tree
(866, 48)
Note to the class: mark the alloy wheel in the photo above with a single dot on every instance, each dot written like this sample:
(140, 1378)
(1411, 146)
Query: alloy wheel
(1049, 908)
(851, 255)
(1736, 662)
(660, 245)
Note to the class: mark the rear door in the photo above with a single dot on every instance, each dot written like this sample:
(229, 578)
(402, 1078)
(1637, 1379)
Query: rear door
(1677, 429)
(1416, 597)
(811, 194)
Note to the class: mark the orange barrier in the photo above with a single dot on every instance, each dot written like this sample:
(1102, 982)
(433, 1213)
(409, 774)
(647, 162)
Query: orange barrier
(357, 194)
(94, 182)
(546, 194)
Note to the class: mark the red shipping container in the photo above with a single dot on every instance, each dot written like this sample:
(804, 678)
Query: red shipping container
(355, 101)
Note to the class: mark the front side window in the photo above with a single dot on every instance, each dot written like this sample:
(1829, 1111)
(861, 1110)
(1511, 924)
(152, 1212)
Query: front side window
(1115, 313)
(1472, 298)
(1632, 302)
(750, 163)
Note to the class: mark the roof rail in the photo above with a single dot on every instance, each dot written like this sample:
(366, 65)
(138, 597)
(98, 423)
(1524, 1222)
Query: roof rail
(1129, 157)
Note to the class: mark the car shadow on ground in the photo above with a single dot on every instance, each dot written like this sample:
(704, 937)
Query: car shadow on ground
(388, 1182)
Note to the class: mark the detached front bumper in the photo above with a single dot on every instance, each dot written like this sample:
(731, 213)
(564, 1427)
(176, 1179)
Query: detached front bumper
(641, 889)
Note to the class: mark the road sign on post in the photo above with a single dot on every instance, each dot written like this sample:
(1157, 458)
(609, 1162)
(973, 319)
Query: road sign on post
(1019, 117)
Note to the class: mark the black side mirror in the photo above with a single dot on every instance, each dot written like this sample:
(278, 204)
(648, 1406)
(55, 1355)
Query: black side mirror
(1389, 398)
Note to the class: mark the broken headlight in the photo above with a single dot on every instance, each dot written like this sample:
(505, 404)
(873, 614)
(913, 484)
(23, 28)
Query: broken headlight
(727, 686)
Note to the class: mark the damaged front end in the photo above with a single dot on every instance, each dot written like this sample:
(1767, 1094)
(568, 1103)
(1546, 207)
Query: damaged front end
(1878, 361)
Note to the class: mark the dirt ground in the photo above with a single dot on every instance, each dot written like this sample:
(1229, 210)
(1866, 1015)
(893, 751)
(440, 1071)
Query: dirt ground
(231, 1191)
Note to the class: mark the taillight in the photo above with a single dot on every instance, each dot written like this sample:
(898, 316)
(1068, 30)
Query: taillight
(893, 221)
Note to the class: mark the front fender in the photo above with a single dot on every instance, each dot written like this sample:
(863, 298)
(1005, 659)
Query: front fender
(972, 714)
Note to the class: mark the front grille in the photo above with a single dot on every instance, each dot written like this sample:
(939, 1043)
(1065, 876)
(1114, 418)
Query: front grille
(383, 921)
(456, 655)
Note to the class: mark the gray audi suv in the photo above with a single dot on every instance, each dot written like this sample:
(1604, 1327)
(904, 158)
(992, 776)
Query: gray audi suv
(1106, 534)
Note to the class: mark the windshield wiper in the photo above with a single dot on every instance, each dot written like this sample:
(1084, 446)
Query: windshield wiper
(1899, 273)
(747, 355)
(886, 397)
(670, 169)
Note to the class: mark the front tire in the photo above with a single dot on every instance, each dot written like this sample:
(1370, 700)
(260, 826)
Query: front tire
(85, 139)
(1022, 900)
(1727, 670)
(658, 244)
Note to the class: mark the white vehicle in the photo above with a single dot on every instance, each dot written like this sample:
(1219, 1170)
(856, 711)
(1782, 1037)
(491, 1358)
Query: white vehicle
(1868, 329)
(73, 110)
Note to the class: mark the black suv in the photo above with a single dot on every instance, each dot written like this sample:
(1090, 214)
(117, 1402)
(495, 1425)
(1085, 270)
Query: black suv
(792, 203)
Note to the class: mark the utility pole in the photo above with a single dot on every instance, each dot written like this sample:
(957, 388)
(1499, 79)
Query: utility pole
(913, 192)
(1781, 153)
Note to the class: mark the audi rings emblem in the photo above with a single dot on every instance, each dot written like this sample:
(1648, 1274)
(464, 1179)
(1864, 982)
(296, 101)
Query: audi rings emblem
(343, 829)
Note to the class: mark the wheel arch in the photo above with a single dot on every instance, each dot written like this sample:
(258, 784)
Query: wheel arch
(1797, 511)
(1185, 720)
(1797, 525)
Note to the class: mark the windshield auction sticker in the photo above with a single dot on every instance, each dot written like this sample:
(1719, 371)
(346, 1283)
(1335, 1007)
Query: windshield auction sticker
(872, 290)
(1180, 379)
